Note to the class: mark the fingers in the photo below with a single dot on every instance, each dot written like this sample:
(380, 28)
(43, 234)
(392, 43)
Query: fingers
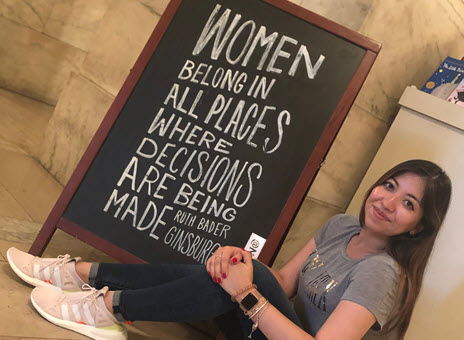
(247, 258)
(231, 256)
(237, 256)
(219, 263)
(210, 267)
(218, 268)
(214, 266)
(225, 260)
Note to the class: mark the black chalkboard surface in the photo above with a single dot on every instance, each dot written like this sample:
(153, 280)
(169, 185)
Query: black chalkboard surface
(218, 132)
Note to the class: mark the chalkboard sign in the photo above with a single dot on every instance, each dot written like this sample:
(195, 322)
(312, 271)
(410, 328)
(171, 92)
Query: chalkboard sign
(216, 134)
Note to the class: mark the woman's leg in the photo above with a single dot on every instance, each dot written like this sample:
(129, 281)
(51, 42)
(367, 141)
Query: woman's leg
(187, 298)
(137, 276)
(186, 293)
(170, 293)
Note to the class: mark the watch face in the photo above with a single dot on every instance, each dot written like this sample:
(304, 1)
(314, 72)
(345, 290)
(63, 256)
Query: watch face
(249, 301)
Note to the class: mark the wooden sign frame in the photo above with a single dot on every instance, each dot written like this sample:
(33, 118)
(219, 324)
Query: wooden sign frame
(56, 220)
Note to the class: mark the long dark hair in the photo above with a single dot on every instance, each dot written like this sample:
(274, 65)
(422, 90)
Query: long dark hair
(411, 252)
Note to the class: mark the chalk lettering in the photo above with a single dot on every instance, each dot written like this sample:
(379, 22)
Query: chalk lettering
(151, 176)
(224, 79)
(186, 218)
(200, 201)
(179, 132)
(178, 104)
(189, 244)
(244, 121)
(114, 200)
(280, 131)
(221, 30)
(216, 228)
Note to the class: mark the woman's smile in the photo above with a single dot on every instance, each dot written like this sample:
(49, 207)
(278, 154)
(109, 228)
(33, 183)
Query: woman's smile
(380, 214)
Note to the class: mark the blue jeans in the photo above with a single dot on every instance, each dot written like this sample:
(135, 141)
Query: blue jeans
(183, 293)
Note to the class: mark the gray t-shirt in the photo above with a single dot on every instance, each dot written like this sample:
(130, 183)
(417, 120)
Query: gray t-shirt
(329, 275)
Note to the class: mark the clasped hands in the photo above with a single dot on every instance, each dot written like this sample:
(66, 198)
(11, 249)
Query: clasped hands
(231, 267)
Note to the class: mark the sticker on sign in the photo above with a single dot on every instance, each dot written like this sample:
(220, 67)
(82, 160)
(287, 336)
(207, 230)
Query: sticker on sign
(255, 244)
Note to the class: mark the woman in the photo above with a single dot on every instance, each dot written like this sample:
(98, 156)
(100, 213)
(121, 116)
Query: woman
(355, 279)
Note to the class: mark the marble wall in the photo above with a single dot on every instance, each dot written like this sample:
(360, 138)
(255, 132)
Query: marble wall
(75, 55)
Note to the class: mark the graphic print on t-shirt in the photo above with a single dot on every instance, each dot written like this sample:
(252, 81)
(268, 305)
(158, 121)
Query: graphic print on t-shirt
(320, 284)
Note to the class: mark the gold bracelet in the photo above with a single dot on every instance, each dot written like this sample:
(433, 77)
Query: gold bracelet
(256, 324)
(241, 291)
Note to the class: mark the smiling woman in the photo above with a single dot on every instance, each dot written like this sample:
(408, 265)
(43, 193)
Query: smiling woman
(426, 191)
(356, 279)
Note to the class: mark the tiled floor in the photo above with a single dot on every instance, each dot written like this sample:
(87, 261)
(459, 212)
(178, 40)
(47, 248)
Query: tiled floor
(27, 194)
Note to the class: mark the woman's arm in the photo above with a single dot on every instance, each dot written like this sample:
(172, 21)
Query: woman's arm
(218, 267)
(349, 321)
(289, 273)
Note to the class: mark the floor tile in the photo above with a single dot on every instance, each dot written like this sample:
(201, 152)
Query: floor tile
(164, 330)
(23, 121)
(33, 64)
(123, 32)
(75, 22)
(11, 146)
(79, 112)
(9, 207)
(30, 184)
(5, 245)
(16, 308)
(18, 231)
(31, 13)
(156, 6)
(20, 234)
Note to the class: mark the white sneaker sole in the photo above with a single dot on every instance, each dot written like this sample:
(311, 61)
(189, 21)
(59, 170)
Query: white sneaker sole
(32, 281)
(90, 331)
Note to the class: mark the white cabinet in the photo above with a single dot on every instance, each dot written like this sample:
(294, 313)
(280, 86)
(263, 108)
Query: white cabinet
(430, 128)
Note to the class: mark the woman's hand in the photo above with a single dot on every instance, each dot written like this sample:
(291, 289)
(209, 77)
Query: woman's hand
(240, 274)
(218, 264)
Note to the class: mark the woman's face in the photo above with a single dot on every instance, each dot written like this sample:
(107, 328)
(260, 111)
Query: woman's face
(395, 207)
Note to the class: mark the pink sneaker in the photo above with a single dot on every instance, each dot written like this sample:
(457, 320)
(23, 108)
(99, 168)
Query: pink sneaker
(59, 272)
(83, 312)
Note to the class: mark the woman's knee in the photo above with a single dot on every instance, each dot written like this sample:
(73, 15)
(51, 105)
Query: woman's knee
(263, 277)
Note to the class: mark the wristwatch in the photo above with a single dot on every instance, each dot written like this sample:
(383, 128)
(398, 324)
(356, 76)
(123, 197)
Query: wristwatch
(250, 301)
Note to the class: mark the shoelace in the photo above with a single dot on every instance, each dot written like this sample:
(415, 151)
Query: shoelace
(93, 294)
(91, 297)
(59, 261)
